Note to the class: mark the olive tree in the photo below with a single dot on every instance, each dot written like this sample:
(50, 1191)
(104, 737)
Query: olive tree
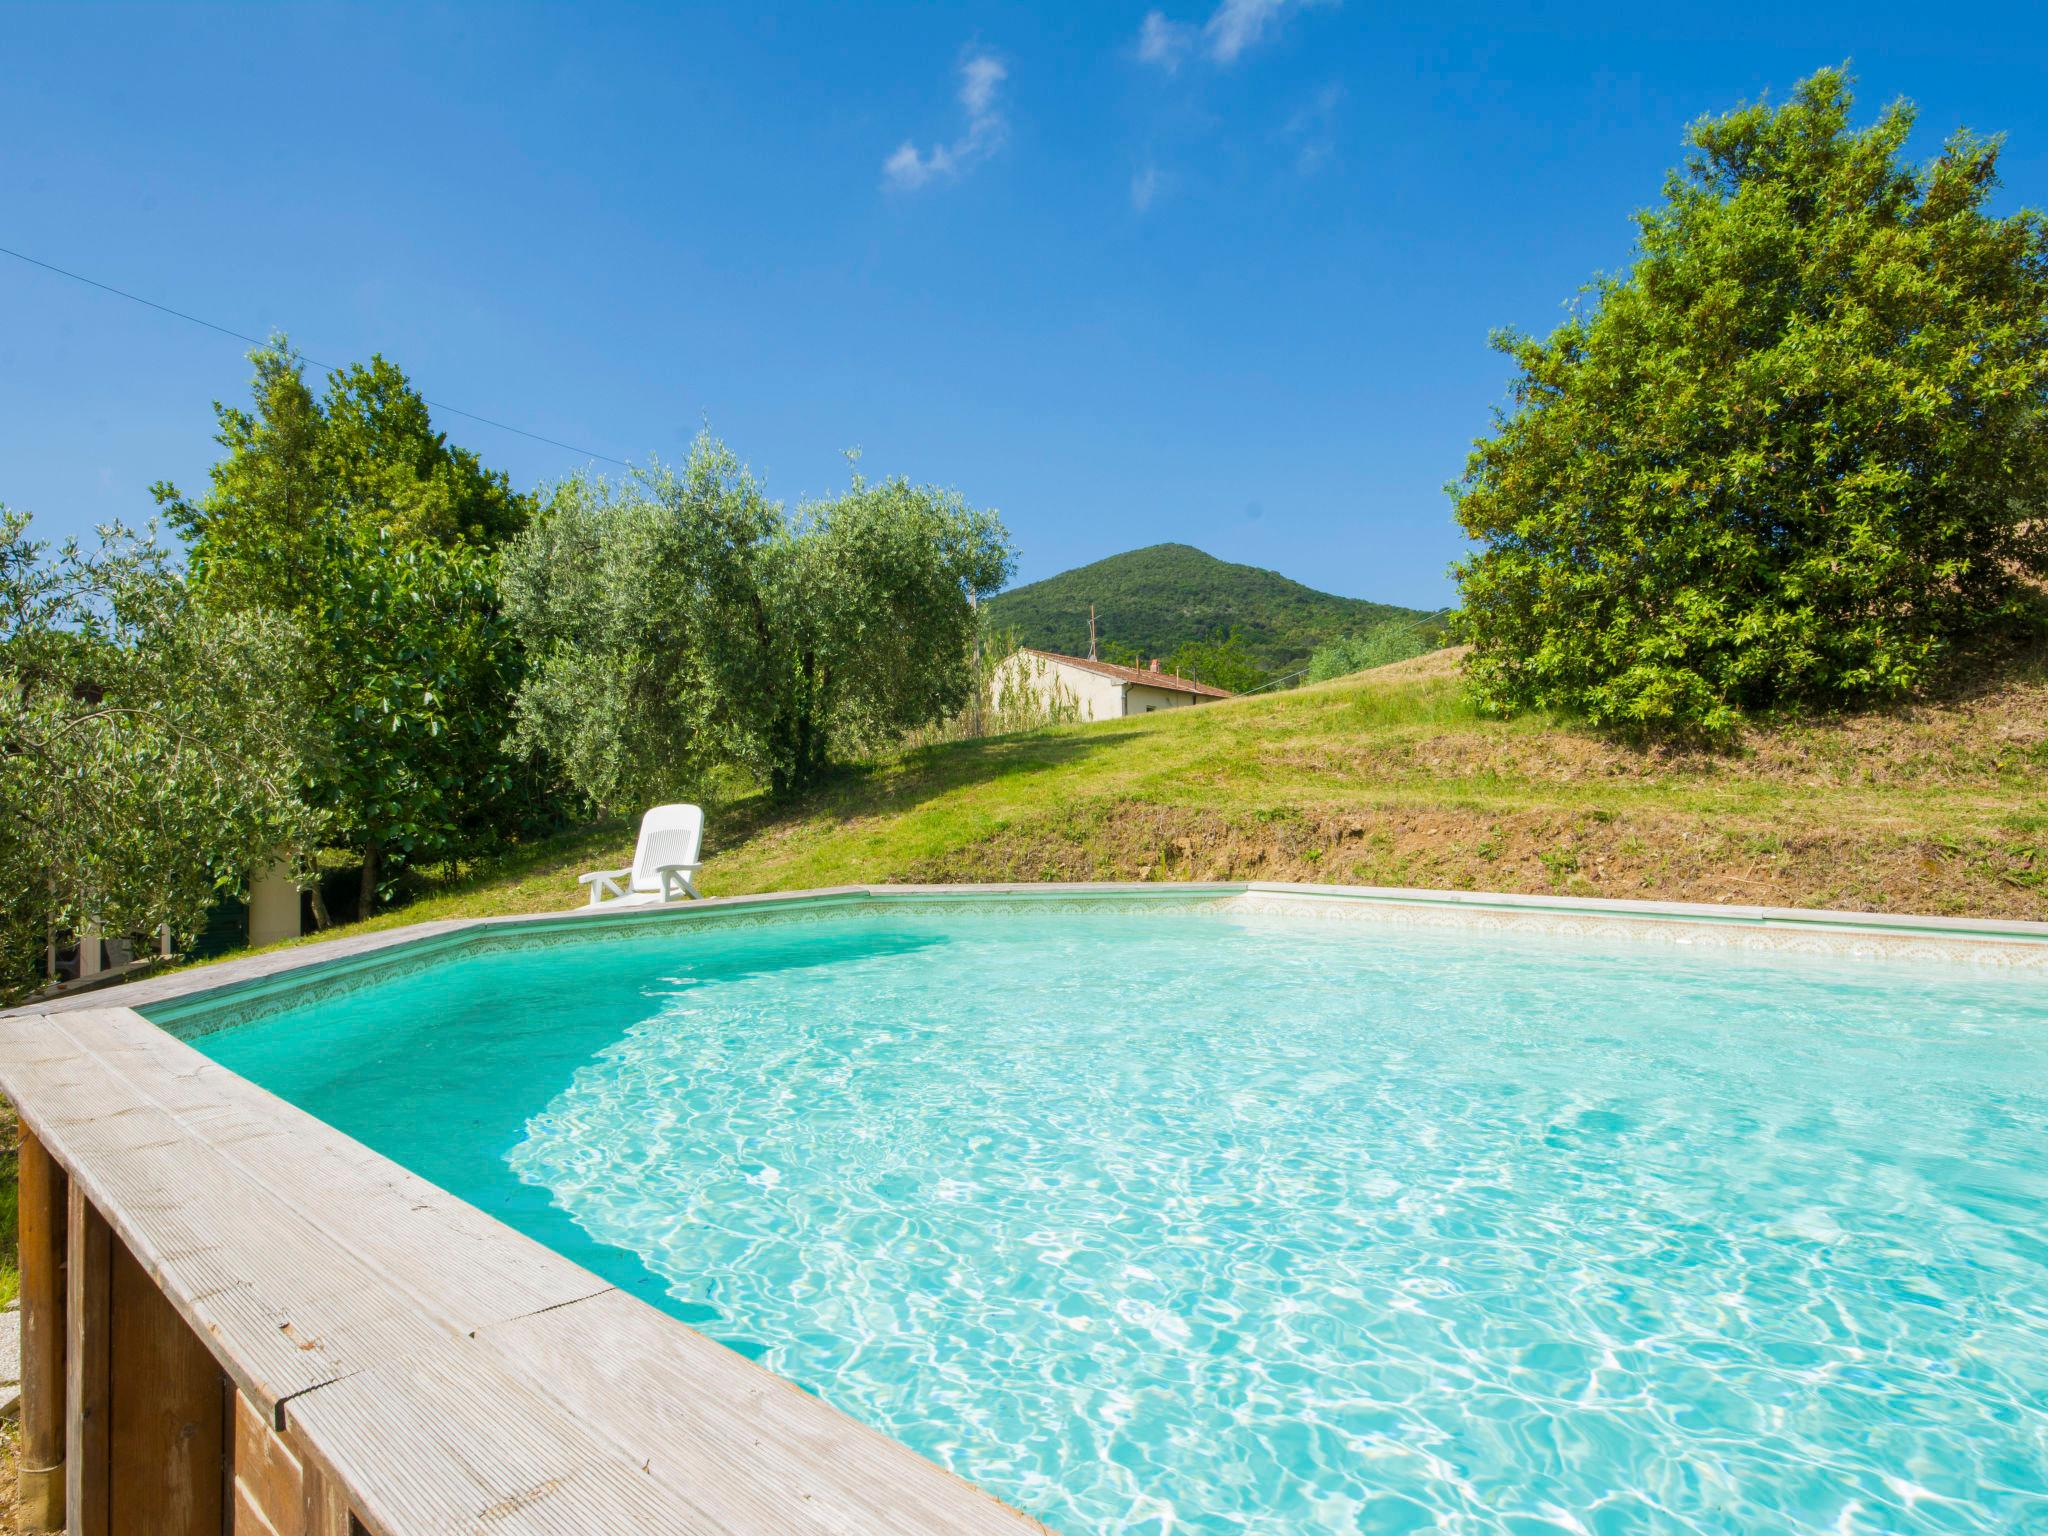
(681, 623)
(150, 750)
(1798, 452)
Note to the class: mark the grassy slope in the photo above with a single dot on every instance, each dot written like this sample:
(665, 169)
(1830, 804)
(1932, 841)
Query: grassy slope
(1390, 779)
(1155, 598)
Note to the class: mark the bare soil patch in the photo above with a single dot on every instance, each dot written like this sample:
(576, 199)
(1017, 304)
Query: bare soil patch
(1639, 854)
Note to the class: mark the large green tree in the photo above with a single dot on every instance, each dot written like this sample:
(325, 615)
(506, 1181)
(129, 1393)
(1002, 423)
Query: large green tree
(1797, 452)
(297, 466)
(150, 750)
(682, 623)
(349, 515)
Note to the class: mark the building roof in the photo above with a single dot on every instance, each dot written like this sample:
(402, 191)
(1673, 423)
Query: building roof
(1167, 680)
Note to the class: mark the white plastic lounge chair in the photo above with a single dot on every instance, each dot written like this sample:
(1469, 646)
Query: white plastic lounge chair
(663, 863)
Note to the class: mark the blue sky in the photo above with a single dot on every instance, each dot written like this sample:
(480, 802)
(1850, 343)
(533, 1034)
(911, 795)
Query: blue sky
(1215, 273)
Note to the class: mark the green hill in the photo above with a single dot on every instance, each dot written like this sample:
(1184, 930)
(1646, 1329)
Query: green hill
(1155, 599)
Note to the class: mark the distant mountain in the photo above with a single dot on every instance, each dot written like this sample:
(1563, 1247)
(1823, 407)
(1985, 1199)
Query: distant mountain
(1154, 599)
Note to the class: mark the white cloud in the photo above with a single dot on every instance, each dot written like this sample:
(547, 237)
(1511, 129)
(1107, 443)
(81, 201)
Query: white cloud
(980, 78)
(1164, 42)
(981, 81)
(1144, 187)
(909, 169)
(1232, 28)
(1312, 128)
(1237, 24)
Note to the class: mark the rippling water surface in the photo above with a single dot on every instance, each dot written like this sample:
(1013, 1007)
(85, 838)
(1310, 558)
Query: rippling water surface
(1187, 1222)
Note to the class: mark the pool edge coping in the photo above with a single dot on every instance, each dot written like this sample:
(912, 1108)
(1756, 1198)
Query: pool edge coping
(1903, 932)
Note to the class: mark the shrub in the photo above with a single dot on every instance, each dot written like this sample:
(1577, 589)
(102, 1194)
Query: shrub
(1388, 641)
(150, 750)
(1797, 453)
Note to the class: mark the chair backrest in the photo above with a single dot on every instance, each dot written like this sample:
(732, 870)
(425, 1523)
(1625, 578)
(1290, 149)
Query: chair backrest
(669, 834)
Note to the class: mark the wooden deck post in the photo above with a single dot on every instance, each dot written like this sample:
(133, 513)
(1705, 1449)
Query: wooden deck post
(88, 1379)
(43, 1218)
(147, 1441)
(326, 1510)
(168, 1437)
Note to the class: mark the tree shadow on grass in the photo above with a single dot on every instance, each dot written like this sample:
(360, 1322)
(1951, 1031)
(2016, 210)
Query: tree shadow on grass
(569, 849)
(1995, 664)
(886, 784)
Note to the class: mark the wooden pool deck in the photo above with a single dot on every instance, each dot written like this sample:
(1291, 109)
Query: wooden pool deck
(236, 1318)
(410, 1363)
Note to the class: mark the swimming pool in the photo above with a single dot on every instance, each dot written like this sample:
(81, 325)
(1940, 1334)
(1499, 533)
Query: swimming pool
(1193, 1219)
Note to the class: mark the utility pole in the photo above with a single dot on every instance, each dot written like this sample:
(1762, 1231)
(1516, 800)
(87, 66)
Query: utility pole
(974, 703)
(1091, 631)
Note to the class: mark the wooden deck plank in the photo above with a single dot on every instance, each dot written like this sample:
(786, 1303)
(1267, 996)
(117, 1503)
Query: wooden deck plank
(752, 1451)
(465, 1267)
(448, 1441)
(293, 1309)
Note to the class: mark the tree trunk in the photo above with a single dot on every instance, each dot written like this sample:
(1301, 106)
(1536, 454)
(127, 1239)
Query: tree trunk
(320, 918)
(366, 892)
(800, 738)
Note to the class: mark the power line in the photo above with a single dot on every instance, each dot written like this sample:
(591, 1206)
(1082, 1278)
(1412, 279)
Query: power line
(1273, 683)
(453, 410)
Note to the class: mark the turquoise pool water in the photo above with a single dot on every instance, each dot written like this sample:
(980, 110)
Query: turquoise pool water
(1198, 1223)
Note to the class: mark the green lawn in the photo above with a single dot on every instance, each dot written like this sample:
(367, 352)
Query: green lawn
(1393, 779)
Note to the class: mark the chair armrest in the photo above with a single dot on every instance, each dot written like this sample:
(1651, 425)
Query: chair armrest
(675, 879)
(602, 881)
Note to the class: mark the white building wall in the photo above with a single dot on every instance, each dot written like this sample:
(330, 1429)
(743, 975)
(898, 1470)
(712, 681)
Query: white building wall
(1096, 697)
(1144, 699)
(1102, 698)
(273, 905)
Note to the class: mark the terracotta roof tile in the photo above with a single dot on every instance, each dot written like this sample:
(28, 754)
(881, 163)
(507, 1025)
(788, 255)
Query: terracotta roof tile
(1148, 678)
